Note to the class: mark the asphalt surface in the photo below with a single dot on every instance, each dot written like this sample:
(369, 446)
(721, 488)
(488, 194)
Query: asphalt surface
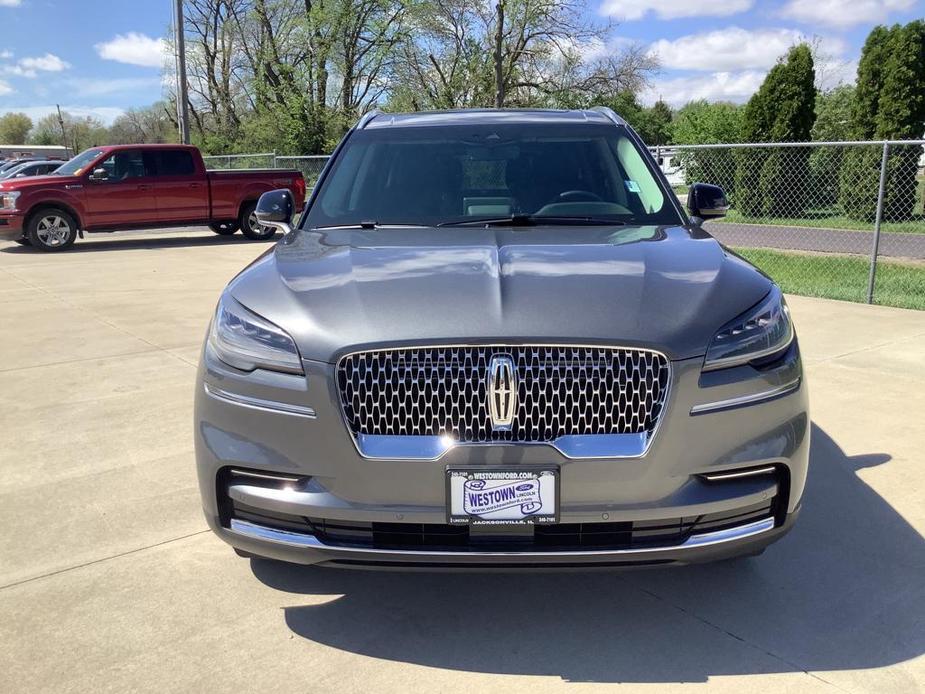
(110, 582)
(892, 244)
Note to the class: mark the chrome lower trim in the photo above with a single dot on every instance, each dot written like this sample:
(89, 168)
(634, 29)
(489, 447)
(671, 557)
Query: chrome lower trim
(264, 476)
(736, 474)
(744, 400)
(259, 403)
(380, 447)
(285, 537)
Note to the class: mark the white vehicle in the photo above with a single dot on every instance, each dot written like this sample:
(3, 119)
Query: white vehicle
(36, 152)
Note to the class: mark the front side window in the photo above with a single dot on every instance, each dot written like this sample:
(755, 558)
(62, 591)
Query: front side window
(435, 175)
(124, 165)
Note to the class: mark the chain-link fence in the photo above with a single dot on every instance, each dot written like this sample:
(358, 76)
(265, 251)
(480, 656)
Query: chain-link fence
(840, 220)
(262, 160)
(310, 166)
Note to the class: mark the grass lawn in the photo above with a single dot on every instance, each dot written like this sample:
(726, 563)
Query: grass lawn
(827, 221)
(842, 277)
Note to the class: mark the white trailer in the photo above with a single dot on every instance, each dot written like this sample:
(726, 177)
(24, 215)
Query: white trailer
(39, 151)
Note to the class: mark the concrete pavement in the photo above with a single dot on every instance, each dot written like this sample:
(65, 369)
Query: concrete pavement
(109, 581)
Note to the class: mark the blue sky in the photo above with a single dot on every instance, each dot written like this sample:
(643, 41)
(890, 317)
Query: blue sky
(101, 57)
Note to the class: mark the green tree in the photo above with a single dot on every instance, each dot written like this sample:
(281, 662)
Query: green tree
(14, 128)
(702, 122)
(655, 124)
(834, 110)
(774, 181)
(901, 116)
(79, 132)
(889, 105)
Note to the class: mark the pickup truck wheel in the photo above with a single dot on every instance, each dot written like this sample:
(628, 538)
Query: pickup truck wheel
(225, 228)
(51, 229)
(250, 227)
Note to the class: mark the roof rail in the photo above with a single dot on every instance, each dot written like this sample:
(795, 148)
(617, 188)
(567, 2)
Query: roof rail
(366, 117)
(609, 112)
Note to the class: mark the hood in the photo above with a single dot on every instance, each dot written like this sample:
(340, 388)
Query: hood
(35, 181)
(668, 289)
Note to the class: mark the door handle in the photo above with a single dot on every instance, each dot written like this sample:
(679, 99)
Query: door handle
(144, 186)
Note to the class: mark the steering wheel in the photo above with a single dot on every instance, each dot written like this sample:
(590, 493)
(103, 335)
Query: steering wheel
(578, 196)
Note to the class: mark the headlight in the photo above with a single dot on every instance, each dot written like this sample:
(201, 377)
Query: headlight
(8, 199)
(246, 341)
(759, 332)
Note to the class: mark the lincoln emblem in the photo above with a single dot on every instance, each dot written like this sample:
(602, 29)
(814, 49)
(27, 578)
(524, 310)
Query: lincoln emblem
(502, 392)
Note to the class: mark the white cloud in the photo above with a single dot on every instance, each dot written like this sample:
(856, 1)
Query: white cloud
(47, 63)
(135, 49)
(30, 67)
(107, 114)
(718, 86)
(843, 13)
(732, 48)
(672, 9)
(5, 88)
(10, 3)
(6, 55)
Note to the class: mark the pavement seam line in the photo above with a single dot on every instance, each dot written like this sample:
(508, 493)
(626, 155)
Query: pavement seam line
(102, 319)
(868, 348)
(83, 359)
(745, 641)
(102, 559)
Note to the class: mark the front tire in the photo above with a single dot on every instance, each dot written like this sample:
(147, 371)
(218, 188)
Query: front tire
(23, 241)
(226, 228)
(252, 228)
(51, 230)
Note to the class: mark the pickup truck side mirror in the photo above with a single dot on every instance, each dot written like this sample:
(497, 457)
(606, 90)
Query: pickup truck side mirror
(707, 201)
(274, 209)
(99, 175)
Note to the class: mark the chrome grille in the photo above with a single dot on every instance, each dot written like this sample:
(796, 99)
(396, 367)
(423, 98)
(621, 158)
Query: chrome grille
(562, 391)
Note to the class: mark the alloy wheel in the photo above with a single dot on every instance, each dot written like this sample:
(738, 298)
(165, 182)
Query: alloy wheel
(53, 231)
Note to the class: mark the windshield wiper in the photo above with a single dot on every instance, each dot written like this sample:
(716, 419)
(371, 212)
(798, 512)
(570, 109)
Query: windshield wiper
(529, 220)
(370, 224)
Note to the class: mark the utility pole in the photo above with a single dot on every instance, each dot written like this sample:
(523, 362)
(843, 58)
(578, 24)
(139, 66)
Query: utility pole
(182, 96)
(63, 131)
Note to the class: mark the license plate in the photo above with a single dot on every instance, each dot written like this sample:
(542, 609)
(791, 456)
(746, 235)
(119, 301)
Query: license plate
(502, 496)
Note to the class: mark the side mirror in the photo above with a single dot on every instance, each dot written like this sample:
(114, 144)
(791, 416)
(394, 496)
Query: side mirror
(707, 201)
(274, 209)
(20, 175)
(99, 175)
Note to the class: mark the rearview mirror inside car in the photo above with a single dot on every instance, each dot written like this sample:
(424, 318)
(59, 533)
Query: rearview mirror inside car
(707, 201)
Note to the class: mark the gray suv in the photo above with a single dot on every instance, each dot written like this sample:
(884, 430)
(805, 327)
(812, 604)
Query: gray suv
(495, 339)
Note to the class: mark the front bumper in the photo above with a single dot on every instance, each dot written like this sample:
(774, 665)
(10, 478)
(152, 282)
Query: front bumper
(300, 548)
(308, 440)
(11, 225)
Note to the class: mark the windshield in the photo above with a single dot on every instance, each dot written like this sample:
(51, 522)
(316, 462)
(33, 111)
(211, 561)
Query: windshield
(13, 170)
(76, 165)
(435, 175)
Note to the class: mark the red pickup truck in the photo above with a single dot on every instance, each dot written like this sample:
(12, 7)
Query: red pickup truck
(137, 186)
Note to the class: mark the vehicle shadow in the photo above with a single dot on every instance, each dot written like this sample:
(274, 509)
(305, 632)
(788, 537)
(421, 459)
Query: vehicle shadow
(843, 591)
(124, 241)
